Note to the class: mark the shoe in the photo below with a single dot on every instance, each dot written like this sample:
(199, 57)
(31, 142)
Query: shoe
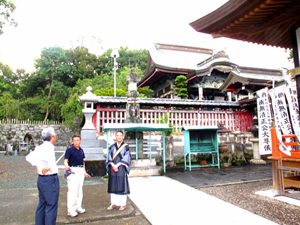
(122, 208)
(111, 207)
(73, 214)
(80, 210)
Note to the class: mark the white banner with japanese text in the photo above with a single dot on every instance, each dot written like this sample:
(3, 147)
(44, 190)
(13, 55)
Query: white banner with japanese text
(281, 117)
(264, 121)
(292, 99)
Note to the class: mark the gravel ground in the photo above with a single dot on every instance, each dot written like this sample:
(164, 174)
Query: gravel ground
(16, 173)
(243, 196)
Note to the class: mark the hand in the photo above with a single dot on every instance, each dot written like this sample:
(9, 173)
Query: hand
(87, 175)
(44, 171)
(114, 167)
(68, 168)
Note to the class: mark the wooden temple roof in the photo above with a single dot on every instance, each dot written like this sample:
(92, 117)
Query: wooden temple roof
(167, 60)
(168, 102)
(266, 22)
(248, 76)
(173, 59)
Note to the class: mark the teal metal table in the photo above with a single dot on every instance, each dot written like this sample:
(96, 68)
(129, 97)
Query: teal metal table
(201, 140)
(139, 127)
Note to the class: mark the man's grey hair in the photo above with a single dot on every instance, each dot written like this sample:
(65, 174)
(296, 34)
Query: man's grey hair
(47, 133)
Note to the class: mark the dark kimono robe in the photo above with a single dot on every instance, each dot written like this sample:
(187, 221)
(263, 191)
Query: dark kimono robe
(118, 181)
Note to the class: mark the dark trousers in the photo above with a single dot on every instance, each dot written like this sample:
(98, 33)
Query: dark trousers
(46, 211)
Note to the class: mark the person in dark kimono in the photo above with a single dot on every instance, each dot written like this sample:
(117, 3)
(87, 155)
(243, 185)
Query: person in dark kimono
(118, 167)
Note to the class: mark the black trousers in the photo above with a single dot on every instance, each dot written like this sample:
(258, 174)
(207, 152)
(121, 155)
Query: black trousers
(46, 211)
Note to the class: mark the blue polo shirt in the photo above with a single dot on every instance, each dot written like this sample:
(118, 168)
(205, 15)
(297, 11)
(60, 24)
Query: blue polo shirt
(75, 156)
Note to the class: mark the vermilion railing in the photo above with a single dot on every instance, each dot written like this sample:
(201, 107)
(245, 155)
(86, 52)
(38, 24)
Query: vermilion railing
(178, 118)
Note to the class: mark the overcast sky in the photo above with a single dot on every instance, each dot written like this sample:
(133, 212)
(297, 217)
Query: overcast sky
(133, 23)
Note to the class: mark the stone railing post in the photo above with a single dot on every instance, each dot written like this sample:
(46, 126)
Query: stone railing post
(256, 156)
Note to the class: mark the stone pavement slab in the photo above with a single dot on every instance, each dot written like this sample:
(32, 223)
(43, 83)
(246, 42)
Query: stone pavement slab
(209, 176)
(18, 207)
(165, 201)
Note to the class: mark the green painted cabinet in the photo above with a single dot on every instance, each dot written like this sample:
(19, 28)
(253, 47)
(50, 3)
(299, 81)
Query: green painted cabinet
(200, 139)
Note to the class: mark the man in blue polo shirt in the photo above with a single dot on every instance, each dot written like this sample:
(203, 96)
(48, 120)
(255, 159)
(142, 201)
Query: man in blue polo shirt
(74, 161)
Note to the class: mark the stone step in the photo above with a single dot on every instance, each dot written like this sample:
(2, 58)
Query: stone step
(88, 135)
(146, 171)
(143, 163)
(90, 143)
(93, 150)
(94, 157)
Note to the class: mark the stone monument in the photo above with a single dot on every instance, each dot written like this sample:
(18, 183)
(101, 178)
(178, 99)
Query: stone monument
(133, 110)
(132, 107)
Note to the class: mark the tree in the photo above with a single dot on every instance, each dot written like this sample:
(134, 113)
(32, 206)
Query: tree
(128, 58)
(53, 70)
(133, 58)
(181, 84)
(72, 108)
(110, 92)
(145, 92)
(290, 58)
(84, 65)
(6, 8)
(8, 106)
(6, 77)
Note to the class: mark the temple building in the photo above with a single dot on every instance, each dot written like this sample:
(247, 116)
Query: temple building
(210, 75)
(219, 90)
(266, 22)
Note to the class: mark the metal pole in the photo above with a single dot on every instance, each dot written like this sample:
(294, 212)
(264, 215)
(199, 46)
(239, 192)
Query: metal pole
(115, 76)
(164, 151)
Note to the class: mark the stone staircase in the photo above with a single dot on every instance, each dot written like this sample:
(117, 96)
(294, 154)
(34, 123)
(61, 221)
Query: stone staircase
(144, 168)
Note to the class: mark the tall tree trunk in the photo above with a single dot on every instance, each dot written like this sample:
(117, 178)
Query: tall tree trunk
(18, 108)
(49, 95)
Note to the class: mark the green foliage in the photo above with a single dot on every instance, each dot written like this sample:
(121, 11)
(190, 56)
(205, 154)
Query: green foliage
(53, 70)
(6, 77)
(61, 76)
(8, 106)
(165, 119)
(181, 84)
(110, 92)
(290, 58)
(6, 9)
(83, 65)
(72, 108)
(145, 92)
(128, 58)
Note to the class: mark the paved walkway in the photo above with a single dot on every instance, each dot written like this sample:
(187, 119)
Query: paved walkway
(168, 202)
(169, 199)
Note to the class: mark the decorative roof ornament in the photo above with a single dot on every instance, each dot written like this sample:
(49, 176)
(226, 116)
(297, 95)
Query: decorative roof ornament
(220, 54)
(89, 96)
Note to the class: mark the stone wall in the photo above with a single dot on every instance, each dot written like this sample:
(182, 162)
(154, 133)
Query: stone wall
(14, 134)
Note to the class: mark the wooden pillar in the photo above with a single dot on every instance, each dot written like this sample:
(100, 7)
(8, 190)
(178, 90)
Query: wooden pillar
(295, 38)
(250, 94)
(229, 95)
(200, 92)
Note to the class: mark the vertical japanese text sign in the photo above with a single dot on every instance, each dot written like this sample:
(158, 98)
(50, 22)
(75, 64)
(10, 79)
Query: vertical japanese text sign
(292, 98)
(264, 121)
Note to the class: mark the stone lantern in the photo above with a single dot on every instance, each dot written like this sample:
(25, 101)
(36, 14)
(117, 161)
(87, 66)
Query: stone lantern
(89, 99)
(90, 144)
